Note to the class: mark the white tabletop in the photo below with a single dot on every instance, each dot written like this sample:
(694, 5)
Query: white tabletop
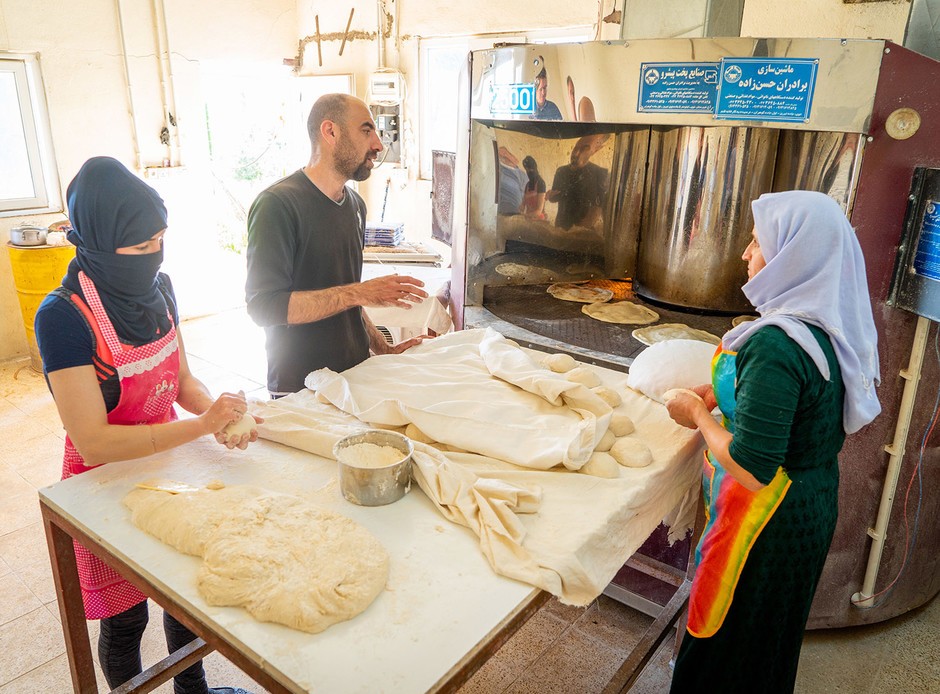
(441, 600)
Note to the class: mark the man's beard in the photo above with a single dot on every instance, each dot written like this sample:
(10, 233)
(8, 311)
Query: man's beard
(350, 166)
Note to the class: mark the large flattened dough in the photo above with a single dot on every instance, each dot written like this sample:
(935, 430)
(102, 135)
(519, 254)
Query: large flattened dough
(281, 558)
(585, 294)
(625, 312)
(673, 331)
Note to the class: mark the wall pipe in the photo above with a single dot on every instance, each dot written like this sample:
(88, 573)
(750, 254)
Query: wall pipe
(166, 80)
(380, 11)
(865, 597)
(135, 140)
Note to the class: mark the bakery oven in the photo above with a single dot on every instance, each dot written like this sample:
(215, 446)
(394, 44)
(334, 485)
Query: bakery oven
(629, 167)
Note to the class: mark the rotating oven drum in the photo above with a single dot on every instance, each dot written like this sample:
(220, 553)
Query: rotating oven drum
(697, 214)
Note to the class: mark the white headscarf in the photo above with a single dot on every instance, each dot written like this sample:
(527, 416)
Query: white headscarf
(815, 273)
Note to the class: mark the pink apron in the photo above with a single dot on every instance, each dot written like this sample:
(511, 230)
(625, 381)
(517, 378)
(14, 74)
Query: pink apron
(149, 379)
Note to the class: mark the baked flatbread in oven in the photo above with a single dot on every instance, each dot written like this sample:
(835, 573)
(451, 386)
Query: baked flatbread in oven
(585, 294)
(625, 312)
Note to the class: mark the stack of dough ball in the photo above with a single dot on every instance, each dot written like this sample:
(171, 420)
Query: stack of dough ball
(560, 363)
(601, 465)
(238, 429)
(608, 395)
(621, 424)
(278, 556)
(631, 452)
(584, 376)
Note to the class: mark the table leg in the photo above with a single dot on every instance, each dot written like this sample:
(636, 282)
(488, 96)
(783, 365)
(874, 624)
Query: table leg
(71, 610)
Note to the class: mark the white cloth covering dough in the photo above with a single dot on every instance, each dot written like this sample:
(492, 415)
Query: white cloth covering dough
(572, 291)
(601, 465)
(473, 390)
(631, 452)
(625, 312)
(281, 558)
(673, 331)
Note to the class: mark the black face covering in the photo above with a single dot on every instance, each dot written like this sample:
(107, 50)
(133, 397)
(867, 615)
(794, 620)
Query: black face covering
(111, 208)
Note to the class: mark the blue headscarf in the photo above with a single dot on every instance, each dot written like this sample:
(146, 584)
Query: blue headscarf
(110, 208)
(815, 274)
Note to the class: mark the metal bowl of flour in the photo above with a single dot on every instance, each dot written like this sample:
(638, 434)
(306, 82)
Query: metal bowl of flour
(369, 473)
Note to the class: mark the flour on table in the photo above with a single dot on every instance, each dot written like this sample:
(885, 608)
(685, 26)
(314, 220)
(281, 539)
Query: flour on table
(370, 455)
(281, 558)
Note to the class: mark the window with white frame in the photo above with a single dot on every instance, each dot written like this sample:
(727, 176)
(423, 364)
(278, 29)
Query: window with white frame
(440, 63)
(28, 178)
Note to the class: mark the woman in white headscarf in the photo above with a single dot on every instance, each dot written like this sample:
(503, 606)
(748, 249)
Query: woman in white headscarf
(790, 386)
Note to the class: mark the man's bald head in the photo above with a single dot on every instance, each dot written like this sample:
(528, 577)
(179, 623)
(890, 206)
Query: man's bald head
(329, 107)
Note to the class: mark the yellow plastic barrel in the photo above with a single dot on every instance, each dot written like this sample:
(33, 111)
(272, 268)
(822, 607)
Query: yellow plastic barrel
(37, 270)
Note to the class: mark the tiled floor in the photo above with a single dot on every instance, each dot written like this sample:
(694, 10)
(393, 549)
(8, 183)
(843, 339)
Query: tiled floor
(561, 649)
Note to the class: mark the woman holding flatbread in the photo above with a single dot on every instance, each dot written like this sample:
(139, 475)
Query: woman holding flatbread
(790, 386)
(115, 364)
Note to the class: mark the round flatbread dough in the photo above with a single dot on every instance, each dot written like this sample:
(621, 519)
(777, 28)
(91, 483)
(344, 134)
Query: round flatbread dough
(584, 376)
(607, 440)
(674, 392)
(631, 452)
(601, 465)
(608, 395)
(737, 320)
(572, 291)
(625, 312)
(278, 556)
(236, 430)
(560, 363)
(621, 424)
(673, 331)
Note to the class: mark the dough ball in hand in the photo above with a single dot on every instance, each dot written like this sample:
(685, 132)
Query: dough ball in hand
(584, 376)
(236, 430)
(621, 424)
(601, 465)
(631, 452)
(673, 393)
(607, 440)
(560, 363)
(608, 395)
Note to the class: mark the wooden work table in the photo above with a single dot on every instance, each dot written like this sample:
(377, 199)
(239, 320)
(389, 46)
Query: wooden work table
(444, 610)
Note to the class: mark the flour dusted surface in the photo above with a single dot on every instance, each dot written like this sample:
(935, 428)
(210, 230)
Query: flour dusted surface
(281, 558)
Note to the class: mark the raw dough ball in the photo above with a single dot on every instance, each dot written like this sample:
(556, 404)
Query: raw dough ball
(216, 484)
(608, 395)
(601, 465)
(631, 452)
(240, 428)
(607, 440)
(415, 434)
(674, 392)
(281, 558)
(621, 424)
(584, 376)
(560, 363)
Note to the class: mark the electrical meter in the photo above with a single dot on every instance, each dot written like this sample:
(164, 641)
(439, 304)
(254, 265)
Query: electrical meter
(386, 88)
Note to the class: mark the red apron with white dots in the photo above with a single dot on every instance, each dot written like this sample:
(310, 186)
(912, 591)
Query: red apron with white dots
(149, 378)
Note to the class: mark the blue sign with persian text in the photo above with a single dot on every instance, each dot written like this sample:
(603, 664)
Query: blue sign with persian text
(766, 89)
(513, 99)
(678, 87)
(927, 256)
